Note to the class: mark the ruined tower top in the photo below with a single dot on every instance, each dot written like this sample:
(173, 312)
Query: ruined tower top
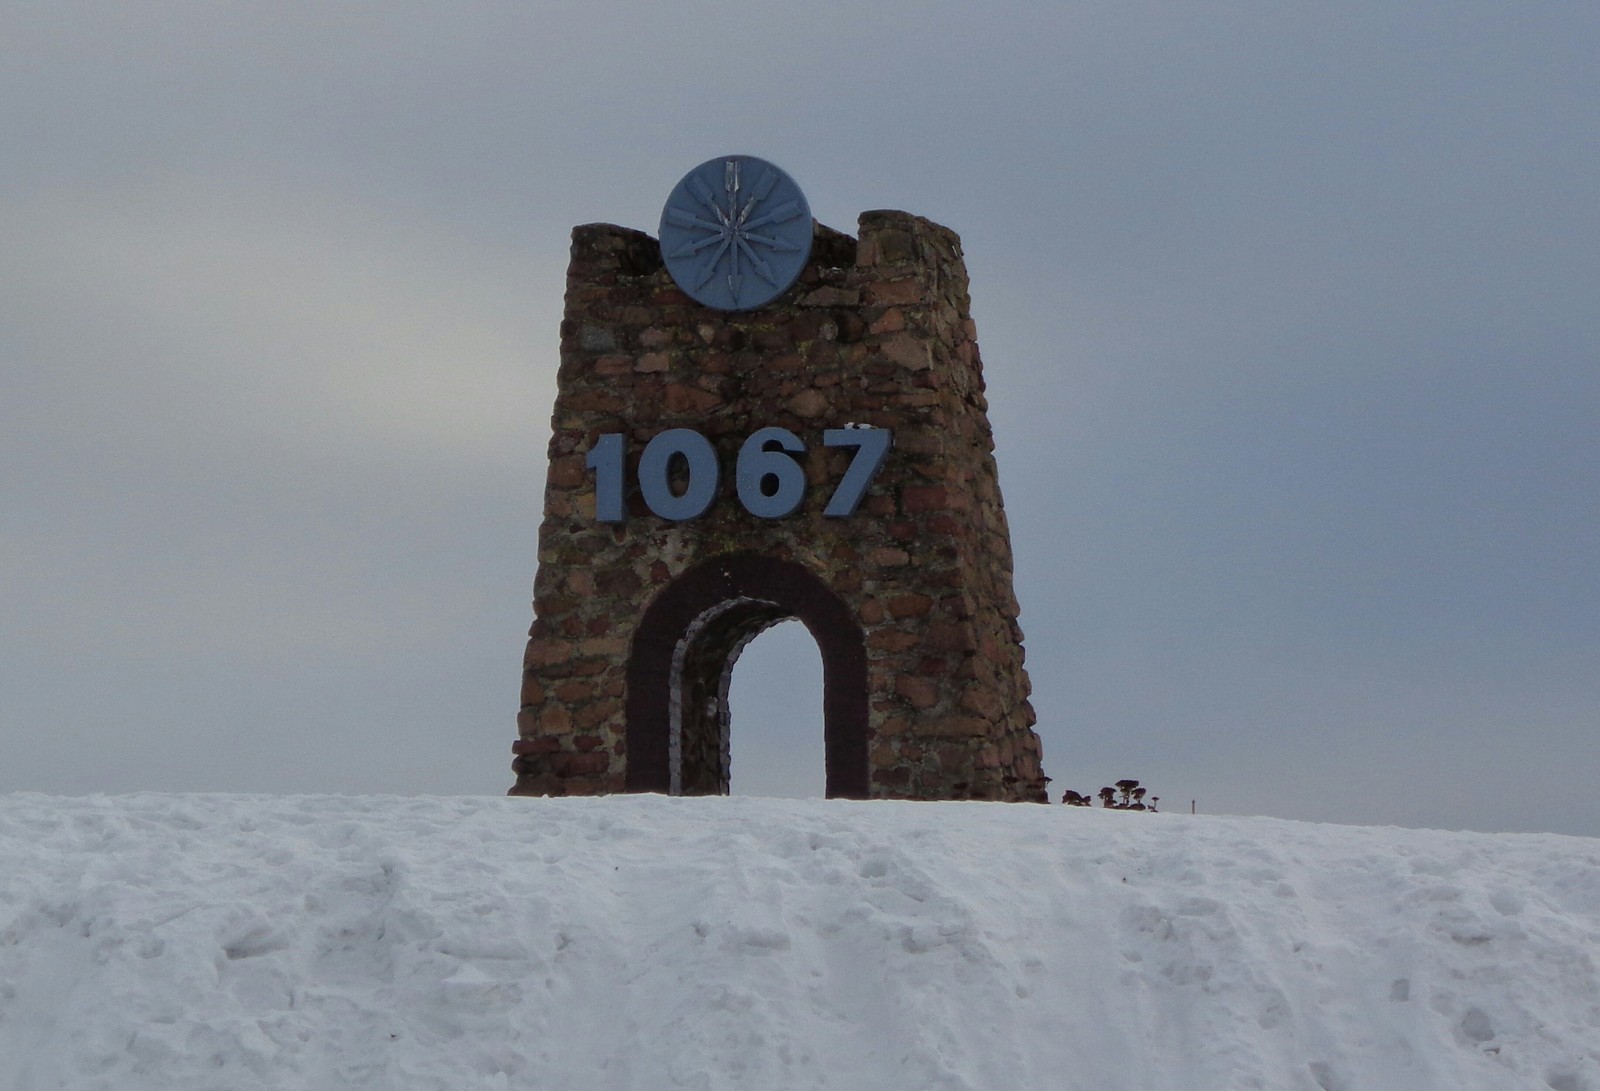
(824, 456)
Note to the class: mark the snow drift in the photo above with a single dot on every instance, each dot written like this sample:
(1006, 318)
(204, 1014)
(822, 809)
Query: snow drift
(173, 942)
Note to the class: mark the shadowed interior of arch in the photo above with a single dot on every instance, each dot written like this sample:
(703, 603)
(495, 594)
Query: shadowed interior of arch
(680, 670)
(775, 708)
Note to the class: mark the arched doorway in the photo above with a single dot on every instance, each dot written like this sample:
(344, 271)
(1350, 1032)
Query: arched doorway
(775, 702)
(682, 658)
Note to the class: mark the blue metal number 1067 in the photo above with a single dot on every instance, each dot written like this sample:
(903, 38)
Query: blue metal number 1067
(769, 479)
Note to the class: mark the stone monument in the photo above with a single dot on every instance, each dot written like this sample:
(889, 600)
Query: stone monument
(759, 418)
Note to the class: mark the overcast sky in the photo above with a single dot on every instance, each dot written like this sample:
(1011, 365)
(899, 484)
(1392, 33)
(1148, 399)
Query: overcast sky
(1290, 314)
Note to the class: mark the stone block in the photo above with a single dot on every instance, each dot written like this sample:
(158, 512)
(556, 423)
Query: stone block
(909, 606)
(907, 351)
(919, 692)
(895, 292)
(917, 499)
(831, 297)
(808, 403)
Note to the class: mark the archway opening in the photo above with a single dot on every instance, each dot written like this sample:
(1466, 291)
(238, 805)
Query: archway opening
(681, 667)
(776, 745)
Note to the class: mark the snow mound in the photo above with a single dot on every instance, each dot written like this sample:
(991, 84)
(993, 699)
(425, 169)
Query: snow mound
(170, 942)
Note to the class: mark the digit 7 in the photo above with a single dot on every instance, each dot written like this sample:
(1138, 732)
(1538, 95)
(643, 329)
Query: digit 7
(872, 447)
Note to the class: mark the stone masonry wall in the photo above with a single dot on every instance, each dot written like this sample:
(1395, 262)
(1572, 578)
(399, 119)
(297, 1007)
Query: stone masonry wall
(876, 332)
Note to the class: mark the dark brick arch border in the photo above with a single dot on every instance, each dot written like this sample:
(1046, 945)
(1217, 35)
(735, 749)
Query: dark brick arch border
(780, 590)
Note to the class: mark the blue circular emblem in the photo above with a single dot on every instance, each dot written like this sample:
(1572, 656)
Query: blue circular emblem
(735, 233)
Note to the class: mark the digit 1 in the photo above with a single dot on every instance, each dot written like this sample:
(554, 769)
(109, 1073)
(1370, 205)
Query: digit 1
(605, 459)
(872, 447)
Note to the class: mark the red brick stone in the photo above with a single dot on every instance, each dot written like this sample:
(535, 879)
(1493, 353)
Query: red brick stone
(831, 297)
(577, 690)
(907, 351)
(891, 640)
(595, 401)
(597, 714)
(545, 653)
(682, 398)
(894, 725)
(808, 403)
(569, 765)
(947, 636)
(895, 292)
(911, 605)
(956, 726)
(918, 692)
(892, 320)
(981, 701)
(916, 499)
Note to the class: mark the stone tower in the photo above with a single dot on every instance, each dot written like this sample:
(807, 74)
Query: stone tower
(638, 618)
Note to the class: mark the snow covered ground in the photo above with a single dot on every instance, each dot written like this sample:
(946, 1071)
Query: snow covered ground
(174, 942)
